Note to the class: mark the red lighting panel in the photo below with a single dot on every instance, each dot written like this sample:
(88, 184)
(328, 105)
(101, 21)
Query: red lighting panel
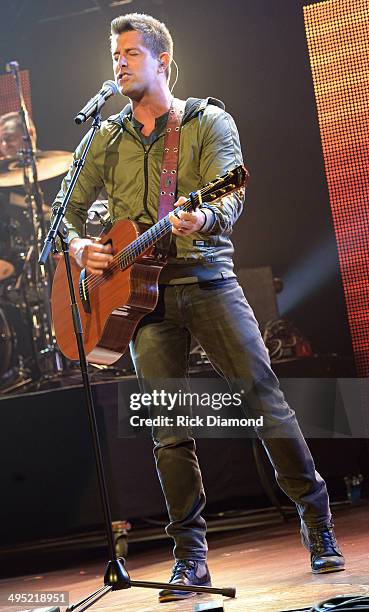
(9, 99)
(338, 41)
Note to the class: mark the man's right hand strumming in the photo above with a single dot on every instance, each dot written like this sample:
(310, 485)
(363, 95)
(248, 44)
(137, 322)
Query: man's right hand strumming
(91, 254)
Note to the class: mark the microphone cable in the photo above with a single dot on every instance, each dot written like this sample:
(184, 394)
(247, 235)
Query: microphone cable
(177, 75)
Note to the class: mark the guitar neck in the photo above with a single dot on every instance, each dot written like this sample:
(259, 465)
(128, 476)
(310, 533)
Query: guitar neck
(150, 237)
(231, 181)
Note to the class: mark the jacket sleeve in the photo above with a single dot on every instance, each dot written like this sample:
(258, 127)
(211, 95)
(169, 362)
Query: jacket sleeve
(85, 191)
(220, 152)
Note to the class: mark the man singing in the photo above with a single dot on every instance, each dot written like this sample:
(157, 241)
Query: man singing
(199, 292)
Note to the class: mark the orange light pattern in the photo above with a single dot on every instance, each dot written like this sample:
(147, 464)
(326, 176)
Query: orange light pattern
(9, 100)
(338, 42)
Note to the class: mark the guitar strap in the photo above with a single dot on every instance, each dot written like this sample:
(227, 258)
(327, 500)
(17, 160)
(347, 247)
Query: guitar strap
(169, 167)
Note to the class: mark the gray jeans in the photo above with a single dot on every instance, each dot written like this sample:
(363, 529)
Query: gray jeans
(219, 317)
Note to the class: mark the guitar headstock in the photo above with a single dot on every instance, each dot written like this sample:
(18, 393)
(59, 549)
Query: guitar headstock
(233, 180)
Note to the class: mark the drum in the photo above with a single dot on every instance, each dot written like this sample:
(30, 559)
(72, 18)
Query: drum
(15, 341)
(15, 232)
(6, 343)
(7, 268)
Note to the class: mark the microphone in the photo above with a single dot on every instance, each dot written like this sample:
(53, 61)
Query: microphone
(94, 105)
(12, 67)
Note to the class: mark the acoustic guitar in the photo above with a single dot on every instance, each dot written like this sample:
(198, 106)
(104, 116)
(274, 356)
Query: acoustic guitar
(112, 305)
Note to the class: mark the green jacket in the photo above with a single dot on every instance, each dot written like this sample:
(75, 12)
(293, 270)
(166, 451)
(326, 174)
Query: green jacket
(130, 173)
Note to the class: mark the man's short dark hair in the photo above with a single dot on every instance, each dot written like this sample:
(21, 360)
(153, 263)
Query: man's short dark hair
(156, 35)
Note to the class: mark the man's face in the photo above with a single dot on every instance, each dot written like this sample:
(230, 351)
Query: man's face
(11, 140)
(135, 69)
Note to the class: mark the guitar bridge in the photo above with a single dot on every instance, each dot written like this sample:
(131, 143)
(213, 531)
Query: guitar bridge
(83, 292)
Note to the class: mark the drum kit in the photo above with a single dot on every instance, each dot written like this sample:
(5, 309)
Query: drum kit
(28, 352)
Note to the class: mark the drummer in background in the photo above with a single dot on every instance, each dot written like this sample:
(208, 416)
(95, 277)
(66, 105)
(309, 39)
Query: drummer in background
(13, 198)
(11, 134)
(14, 223)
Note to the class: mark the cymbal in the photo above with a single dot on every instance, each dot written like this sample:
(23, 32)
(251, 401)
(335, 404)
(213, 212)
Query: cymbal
(49, 165)
(16, 199)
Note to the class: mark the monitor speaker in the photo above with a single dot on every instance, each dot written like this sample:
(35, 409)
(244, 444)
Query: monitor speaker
(259, 289)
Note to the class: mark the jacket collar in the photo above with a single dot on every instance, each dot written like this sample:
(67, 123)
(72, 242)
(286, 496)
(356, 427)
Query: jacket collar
(194, 106)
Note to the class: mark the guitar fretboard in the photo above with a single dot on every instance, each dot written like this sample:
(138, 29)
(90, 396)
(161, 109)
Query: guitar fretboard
(232, 180)
(129, 254)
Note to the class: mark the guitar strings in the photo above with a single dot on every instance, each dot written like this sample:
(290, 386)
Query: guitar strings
(92, 281)
(122, 259)
(162, 227)
(136, 248)
(143, 242)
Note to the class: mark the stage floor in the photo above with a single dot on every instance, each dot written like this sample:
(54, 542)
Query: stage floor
(268, 566)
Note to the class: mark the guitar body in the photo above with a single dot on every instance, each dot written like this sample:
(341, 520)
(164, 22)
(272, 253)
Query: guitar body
(112, 305)
(117, 301)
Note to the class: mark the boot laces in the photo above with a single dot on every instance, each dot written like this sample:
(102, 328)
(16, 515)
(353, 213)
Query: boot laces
(181, 569)
(323, 540)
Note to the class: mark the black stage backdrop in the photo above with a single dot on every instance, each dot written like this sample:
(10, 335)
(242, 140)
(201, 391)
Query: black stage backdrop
(48, 474)
(253, 56)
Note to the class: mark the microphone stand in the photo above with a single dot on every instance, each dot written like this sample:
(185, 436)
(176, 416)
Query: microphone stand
(116, 576)
(35, 200)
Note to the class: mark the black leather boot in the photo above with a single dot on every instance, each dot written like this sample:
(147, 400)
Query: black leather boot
(187, 572)
(325, 553)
